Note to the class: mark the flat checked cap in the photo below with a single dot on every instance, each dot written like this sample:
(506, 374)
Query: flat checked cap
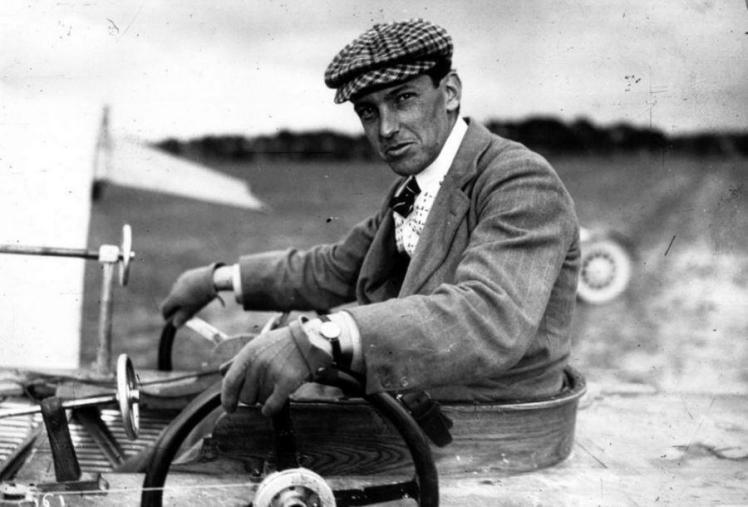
(387, 53)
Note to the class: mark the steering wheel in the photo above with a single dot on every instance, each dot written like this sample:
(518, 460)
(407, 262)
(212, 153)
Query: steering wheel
(289, 485)
(424, 487)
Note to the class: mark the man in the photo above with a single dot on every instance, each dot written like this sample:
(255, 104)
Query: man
(465, 278)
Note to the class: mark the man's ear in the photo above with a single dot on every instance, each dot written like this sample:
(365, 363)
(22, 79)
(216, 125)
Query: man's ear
(453, 91)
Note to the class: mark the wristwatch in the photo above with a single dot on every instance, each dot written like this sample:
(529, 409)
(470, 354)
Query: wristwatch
(331, 332)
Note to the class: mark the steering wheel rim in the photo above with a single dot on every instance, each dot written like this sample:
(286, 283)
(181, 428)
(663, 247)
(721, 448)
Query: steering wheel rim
(425, 484)
(165, 346)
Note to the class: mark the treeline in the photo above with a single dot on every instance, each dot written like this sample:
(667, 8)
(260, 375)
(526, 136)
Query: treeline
(548, 136)
(321, 144)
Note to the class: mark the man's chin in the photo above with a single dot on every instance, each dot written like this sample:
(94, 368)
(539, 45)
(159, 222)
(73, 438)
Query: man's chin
(404, 166)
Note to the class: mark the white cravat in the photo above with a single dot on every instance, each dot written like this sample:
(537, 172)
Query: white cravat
(408, 230)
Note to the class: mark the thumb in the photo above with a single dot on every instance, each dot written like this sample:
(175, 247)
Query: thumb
(167, 309)
(180, 317)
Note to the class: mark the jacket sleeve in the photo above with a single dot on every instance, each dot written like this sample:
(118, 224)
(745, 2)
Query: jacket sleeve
(482, 323)
(319, 278)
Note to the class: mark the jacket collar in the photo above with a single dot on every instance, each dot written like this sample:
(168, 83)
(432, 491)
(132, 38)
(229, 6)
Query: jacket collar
(464, 166)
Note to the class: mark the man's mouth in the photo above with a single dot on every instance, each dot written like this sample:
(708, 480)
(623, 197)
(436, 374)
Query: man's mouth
(396, 150)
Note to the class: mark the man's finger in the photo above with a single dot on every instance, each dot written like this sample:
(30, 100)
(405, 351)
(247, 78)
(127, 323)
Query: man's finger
(232, 385)
(275, 401)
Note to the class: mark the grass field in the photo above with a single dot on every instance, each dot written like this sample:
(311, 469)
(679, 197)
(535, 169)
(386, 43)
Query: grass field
(681, 325)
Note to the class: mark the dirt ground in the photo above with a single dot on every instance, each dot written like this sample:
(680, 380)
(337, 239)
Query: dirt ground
(681, 325)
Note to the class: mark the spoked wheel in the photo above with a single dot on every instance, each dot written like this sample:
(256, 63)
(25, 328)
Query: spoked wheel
(295, 485)
(606, 269)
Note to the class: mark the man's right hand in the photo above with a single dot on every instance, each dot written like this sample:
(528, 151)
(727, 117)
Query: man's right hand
(190, 293)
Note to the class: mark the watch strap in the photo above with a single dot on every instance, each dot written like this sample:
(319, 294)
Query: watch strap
(341, 358)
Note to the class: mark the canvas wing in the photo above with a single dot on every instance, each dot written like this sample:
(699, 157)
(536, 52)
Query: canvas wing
(131, 163)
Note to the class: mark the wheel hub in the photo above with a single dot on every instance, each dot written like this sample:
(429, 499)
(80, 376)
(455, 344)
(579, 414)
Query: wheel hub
(294, 487)
(599, 270)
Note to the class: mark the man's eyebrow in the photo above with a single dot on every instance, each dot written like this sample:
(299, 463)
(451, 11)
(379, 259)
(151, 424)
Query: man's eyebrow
(401, 88)
(388, 96)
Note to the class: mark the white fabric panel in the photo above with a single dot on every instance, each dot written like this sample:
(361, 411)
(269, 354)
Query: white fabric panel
(46, 150)
(135, 164)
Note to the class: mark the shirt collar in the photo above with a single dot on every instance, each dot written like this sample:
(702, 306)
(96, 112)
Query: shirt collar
(430, 177)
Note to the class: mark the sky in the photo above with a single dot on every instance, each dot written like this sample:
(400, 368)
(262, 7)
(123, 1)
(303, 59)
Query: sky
(190, 68)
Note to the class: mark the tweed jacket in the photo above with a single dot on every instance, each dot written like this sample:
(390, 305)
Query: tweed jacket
(483, 310)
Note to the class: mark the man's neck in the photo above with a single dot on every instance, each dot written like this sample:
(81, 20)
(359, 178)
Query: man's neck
(435, 171)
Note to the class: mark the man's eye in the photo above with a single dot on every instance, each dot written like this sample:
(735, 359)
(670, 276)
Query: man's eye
(404, 97)
(366, 113)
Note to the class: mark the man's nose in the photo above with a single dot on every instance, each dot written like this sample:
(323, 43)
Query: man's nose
(389, 124)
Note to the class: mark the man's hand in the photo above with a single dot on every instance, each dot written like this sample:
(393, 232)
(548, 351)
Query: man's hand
(270, 368)
(190, 293)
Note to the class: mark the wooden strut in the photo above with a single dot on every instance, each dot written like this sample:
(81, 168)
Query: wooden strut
(67, 468)
(106, 308)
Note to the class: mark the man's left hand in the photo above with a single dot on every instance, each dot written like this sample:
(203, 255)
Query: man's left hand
(270, 368)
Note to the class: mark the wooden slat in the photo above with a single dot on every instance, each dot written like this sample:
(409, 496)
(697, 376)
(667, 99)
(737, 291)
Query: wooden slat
(352, 438)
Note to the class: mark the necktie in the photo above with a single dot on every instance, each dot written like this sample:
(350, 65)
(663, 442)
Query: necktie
(403, 199)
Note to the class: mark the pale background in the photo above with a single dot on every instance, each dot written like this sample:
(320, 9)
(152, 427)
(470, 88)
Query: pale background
(194, 67)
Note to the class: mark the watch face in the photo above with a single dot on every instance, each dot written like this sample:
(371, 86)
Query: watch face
(329, 330)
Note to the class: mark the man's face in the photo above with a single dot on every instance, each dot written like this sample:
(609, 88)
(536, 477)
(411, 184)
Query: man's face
(407, 124)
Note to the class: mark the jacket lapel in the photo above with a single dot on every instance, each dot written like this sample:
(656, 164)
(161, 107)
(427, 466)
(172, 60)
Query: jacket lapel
(447, 213)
